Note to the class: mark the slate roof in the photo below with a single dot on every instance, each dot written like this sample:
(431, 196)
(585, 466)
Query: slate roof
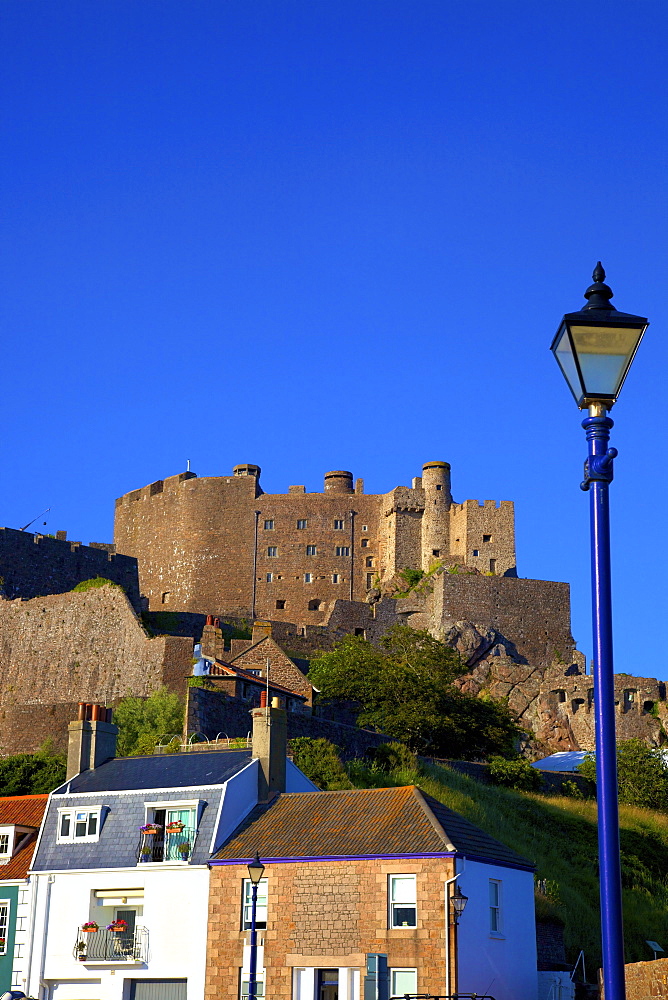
(21, 810)
(361, 823)
(160, 771)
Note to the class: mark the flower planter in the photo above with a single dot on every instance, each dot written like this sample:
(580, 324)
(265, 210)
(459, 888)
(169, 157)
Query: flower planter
(90, 930)
(175, 828)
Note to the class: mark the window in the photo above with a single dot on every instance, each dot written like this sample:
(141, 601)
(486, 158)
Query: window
(369, 561)
(439, 486)
(436, 552)
(403, 907)
(165, 597)
(369, 581)
(314, 605)
(486, 538)
(307, 577)
(247, 905)
(335, 578)
(360, 631)
(338, 525)
(311, 550)
(270, 577)
(280, 605)
(302, 524)
(492, 565)
(269, 525)
(343, 550)
(78, 825)
(244, 991)
(365, 543)
(6, 843)
(4, 925)
(475, 552)
(403, 981)
(272, 551)
(494, 906)
(177, 828)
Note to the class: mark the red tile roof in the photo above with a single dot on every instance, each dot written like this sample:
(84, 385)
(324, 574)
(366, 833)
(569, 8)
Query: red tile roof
(21, 810)
(361, 823)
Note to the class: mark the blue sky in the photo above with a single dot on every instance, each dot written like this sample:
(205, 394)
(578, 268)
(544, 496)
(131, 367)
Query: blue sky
(319, 235)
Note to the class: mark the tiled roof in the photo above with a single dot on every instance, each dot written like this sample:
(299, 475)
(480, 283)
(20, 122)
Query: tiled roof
(178, 770)
(233, 670)
(22, 810)
(361, 822)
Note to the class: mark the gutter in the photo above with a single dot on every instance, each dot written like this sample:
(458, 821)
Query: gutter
(405, 856)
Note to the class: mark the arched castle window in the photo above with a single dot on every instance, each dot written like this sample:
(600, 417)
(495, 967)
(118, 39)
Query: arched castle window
(314, 605)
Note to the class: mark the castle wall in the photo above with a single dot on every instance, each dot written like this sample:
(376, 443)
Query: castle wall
(32, 565)
(65, 648)
(483, 535)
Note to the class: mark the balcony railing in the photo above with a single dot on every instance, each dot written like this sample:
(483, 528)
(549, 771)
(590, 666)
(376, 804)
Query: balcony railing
(112, 946)
(166, 845)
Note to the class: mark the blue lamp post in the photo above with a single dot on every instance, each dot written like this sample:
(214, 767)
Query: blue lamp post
(594, 349)
(255, 873)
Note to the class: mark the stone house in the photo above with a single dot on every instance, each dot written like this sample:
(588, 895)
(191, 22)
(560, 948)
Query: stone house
(352, 874)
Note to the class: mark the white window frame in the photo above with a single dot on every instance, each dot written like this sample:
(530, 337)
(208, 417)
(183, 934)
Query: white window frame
(336, 578)
(5, 911)
(404, 905)
(246, 903)
(339, 525)
(308, 578)
(302, 523)
(269, 578)
(269, 524)
(194, 804)
(244, 979)
(8, 830)
(72, 811)
(311, 550)
(272, 551)
(342, 550)
(495, 909)
(393, 991)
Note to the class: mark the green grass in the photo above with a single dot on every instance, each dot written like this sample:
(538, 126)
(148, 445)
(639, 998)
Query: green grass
(558, 834)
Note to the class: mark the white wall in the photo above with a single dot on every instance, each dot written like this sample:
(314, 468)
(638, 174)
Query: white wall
(502, 965)
(174, 913)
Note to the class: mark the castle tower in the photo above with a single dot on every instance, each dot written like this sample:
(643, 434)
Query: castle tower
(435, 520)
(339, 482)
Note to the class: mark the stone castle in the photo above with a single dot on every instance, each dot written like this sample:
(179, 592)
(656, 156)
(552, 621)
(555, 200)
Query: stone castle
(221, 543)
(315, 567)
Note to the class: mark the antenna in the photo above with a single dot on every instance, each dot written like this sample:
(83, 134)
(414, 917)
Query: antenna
(35, 519)
(188, 465)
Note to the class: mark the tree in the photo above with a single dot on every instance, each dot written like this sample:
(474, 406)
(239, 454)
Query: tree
(405, 689)
(143, 721)
(319, 760)
(32, 773)
(642, 774)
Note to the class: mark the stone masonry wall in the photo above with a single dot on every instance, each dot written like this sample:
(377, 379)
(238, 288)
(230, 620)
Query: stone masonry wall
(64, 648)
(644, 980)
(34, 565)
(212, 714)
(326, 914)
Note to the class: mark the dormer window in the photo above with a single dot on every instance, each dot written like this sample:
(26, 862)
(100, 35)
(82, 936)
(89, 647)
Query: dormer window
(77, 826)
(6, 843)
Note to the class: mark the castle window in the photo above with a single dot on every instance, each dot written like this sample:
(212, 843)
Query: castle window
(492, 565)
(486, 538)
(436, 552)
(302, 524)
(165, 597)
(307, 578)
(369, 581)
(439, 486)
(314, 605)
(270, 577)
(576, 704)
(369, 560)
(272, 551)
(280, 605)
(365, 543)
(360, 632)
(365, 527)
(269, 525)
(561, 695)
(475, 552)
(335, 577)
(311, 550)
(342, 550)
(338, 525)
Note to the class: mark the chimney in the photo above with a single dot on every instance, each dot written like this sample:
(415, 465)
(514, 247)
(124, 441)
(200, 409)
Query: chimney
(261, 630)
(270, 745)
(92, 739)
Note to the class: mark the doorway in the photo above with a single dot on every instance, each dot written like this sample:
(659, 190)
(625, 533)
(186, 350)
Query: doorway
(327, 984)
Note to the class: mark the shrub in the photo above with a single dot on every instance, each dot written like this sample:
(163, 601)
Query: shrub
(517, 774)
(92, 584)
(642, 774)
(319, 760)
(141, 720)
(32, 773)
(389, 756)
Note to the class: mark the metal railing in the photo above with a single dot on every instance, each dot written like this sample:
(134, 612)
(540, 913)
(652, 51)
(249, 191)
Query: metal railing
(445, 996)
(166, 845)
(112, 946)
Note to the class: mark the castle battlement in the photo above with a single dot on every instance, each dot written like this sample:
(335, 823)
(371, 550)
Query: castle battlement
(212, 544)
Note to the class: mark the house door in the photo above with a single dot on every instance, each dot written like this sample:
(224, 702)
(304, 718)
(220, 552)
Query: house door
(180, 841)
(124, 941)
(328, 984)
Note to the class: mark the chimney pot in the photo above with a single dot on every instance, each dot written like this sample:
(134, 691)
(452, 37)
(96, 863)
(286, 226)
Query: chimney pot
(263, 699)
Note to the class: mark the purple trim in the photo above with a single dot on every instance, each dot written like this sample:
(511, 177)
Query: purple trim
(427, 855)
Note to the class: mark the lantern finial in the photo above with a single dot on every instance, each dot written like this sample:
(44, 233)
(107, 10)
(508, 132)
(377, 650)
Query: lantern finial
(598, 295)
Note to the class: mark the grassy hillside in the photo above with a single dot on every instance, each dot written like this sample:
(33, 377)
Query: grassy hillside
(559, 836)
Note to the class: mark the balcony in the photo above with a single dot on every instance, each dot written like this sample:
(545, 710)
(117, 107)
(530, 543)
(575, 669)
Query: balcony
(105, 946)
(166, 845)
